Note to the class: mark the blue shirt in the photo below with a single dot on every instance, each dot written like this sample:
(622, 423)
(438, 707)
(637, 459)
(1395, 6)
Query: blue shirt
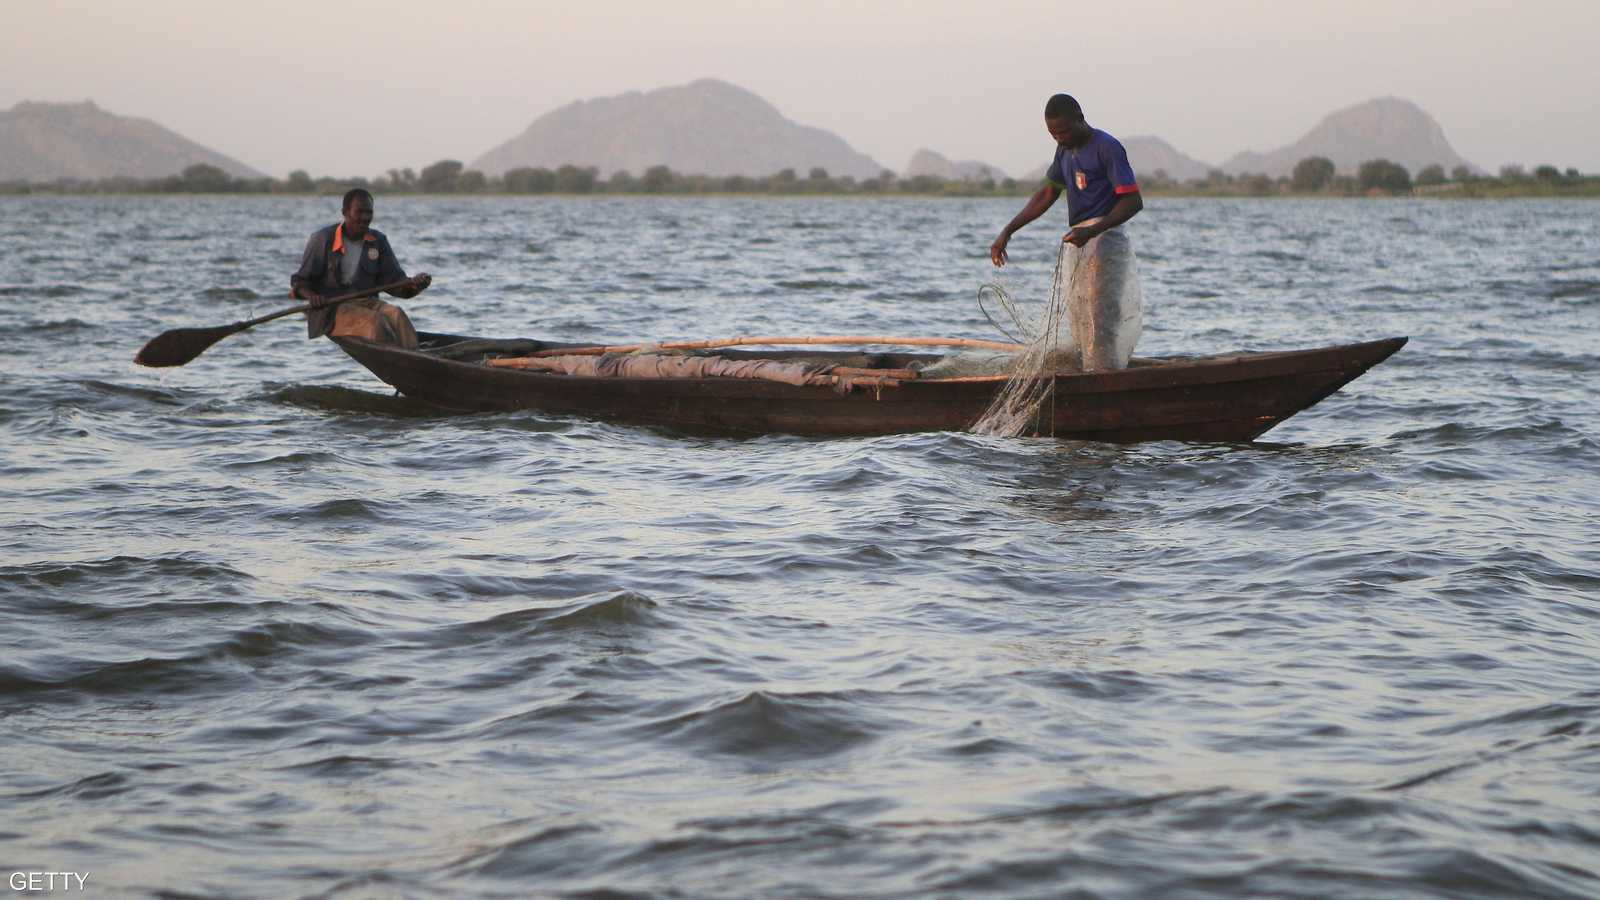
(1093, 176)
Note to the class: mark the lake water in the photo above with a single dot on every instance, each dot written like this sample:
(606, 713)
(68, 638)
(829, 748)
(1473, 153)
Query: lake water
(267, 630)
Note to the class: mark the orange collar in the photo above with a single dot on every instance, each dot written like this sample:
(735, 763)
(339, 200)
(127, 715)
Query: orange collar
(338, 237)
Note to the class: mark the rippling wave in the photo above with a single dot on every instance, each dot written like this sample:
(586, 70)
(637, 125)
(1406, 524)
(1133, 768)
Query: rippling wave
(267, 629)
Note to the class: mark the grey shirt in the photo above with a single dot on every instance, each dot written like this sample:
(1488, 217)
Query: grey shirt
(350, 262)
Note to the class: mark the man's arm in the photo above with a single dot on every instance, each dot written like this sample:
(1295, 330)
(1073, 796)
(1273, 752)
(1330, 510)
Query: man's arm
(391, 272)
(1042, 200)
(1127, 206)
(414, 285)
(311, 267)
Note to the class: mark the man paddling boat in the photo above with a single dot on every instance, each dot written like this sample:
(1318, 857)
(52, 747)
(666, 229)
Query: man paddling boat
(1100, 281)
(350, 256)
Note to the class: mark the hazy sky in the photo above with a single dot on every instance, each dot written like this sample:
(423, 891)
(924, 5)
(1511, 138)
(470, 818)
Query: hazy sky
(354, 88)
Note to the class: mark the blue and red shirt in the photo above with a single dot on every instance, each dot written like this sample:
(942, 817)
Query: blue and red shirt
(1093, 176)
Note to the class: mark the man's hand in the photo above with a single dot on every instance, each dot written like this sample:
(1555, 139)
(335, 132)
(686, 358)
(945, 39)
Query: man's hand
(997, 250)
(316, 300)
(1079, 236)
(420, 282)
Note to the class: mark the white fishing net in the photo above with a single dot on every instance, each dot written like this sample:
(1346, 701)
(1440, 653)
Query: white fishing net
(1090, 324)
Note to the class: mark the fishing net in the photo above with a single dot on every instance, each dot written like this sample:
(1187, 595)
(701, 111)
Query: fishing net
(1090, 324)
(968, 363)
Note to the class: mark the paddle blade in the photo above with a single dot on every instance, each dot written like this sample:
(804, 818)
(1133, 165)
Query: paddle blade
(180, 345)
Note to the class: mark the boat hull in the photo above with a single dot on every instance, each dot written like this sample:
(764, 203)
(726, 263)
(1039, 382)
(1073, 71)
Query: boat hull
(1234, 397)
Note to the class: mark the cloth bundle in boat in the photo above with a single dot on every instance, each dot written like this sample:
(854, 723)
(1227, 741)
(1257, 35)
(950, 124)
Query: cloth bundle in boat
(630, 365)
(1105, 307)
(374, 320)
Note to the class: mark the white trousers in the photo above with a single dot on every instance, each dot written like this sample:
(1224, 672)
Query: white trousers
(1105, 307)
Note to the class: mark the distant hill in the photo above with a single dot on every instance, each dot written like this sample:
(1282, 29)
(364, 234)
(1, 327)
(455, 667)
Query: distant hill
(1388, 128)
(927, 162)
(47, 141)
(706, 127)
(1148, 154)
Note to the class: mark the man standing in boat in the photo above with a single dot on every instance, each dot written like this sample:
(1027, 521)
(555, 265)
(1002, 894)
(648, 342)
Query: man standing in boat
(349, 256)
(1100, 280)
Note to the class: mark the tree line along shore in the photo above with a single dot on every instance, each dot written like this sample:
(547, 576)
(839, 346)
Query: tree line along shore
(1312, 177)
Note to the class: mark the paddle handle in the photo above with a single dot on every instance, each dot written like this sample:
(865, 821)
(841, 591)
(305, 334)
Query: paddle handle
(332, 301)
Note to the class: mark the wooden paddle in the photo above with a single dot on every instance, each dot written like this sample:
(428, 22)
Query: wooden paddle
(180, 345)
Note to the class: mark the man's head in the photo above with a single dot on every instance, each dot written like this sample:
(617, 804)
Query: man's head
(357, 212)
(1063, 117)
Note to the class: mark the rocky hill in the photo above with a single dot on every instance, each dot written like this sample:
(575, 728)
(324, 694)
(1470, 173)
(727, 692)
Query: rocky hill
(47, 141)
(1148, 155)
(927, 162)
(706, 127)
(1387, 128)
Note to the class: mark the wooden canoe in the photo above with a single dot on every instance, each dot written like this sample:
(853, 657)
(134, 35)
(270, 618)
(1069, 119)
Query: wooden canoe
(1229, 397)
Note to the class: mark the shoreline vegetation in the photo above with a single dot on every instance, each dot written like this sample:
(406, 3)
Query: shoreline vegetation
(1312, 177)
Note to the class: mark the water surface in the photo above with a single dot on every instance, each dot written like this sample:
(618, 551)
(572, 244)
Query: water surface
(268, 630)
